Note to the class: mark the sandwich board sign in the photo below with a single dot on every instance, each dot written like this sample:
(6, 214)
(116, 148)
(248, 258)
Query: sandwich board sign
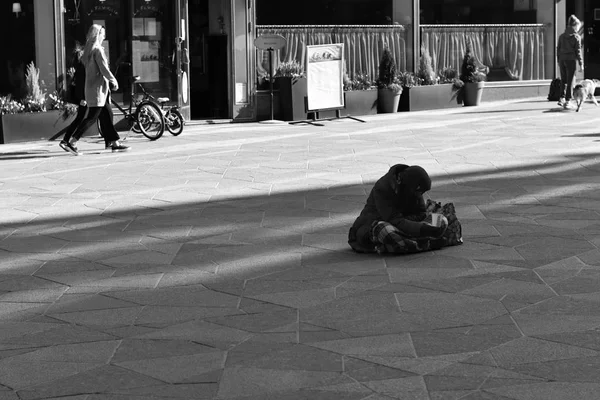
(325, 76)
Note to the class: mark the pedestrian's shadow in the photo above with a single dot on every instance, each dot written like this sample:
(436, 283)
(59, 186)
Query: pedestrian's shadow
(558, 110)
(25, 155)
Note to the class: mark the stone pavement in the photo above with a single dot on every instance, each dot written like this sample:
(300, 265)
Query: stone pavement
(214, 265)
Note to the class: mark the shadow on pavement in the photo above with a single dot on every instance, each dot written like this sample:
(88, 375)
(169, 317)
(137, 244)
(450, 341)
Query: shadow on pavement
(242, 274)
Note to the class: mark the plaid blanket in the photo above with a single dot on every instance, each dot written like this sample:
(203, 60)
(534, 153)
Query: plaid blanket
(388, 239)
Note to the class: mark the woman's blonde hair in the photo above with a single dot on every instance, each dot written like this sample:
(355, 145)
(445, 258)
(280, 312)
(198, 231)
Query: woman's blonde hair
(91, 42)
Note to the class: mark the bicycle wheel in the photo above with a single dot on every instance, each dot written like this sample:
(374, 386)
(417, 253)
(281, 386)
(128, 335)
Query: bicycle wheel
(150, 120)
(174, 121)
(136, 128)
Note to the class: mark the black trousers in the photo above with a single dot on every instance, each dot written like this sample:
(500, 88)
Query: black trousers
(81, 110)
(567, 75)
(105, 116)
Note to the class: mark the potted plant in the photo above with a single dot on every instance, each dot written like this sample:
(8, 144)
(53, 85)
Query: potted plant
(426, 89)
(389, 90)
(360, 95)
(36, 116)
(290, 80)
(468, 87)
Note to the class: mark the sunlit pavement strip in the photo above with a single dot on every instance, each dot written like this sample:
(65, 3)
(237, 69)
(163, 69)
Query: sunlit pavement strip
(215, 264)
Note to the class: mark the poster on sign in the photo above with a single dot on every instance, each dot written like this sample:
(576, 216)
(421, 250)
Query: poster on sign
(325, 76)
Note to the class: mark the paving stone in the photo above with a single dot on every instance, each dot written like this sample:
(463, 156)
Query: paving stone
(393, 345)
(288, 357)
(104, 379)
(549, 391)
(451, 307)
(411, 387)
(179, 296)
(529, 350)
(177, 369)
(200, 332)
(239, 381)
(131, 349)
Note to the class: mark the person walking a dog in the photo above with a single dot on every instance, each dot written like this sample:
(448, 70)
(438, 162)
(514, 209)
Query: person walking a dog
(568, 52)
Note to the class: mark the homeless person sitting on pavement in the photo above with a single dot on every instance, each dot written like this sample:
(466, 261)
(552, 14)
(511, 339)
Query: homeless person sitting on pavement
(396, 218)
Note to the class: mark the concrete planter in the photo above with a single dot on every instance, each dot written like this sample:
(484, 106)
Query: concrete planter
(292, 98)
(360, 102)
(263, 105)
(26, 127)
(430, 97)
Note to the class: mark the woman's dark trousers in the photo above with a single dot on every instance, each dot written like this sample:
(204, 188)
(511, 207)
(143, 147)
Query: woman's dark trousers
(567, 75)
(78, 118)
(104, 114)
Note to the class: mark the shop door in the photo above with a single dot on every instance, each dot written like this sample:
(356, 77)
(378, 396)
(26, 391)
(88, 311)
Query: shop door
(182, 58)
(591, 39)
(209, 77)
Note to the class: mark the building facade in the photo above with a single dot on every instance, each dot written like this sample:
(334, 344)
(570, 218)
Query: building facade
(201, 53)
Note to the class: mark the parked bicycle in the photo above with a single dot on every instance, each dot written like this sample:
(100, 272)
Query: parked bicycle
(174, 120)
(147, 117)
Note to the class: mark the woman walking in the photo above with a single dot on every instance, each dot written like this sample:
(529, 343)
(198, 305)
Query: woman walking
(77, 95)
(98, 82)
(568, 52)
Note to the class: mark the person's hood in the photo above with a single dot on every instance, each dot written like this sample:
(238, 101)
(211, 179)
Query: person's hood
(408, 179)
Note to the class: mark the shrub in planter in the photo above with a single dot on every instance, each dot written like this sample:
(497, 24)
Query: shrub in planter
(389, 89)
(425, 89)
(468, 87)
(360, 96)
(426, 74)
(37, 115)
(290, 80)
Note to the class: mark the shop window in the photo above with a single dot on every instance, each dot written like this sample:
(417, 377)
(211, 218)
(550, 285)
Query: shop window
(365, 27)
(515, 38)
(26, 36)
(140, 40)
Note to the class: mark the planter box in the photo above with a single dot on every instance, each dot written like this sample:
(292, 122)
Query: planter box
(431, 97)
(26, 127)
(292, 98)
(360, 102)
(263, 106)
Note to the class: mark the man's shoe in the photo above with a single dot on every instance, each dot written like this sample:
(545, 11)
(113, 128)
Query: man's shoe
(71, 148)
(63, 145)
(119, 147)
(561, 102)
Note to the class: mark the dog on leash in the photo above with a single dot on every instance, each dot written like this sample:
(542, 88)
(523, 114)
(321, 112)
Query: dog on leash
(585, 89)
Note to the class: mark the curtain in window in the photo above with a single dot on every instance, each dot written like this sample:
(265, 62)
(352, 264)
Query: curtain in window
(363, 45)
(518, 49)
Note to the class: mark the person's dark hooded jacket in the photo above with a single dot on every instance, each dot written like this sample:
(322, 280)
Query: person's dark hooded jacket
(569, 46)
(395, 196)
(78, 82)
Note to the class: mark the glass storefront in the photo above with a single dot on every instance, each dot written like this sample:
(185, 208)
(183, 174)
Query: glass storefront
(219, 75)
(141, 39)
(27, 34)
(514, 39)
(365, 27)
